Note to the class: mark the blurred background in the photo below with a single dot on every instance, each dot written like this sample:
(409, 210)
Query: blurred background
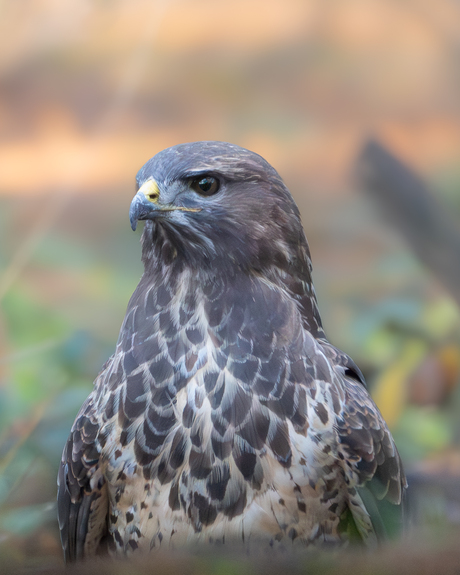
(90, 90)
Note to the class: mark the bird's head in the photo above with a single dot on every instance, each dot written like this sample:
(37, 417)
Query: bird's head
(216, 204)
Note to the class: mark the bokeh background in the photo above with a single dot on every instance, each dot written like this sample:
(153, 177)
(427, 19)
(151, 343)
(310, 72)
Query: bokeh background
(90, 90)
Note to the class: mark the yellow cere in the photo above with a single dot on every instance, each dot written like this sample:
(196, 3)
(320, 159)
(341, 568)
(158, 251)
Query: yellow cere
(150, 190)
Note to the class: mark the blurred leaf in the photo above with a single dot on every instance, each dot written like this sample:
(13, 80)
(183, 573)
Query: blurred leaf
(421, 431)
(29, 322)
(390, 390)
(441, 318)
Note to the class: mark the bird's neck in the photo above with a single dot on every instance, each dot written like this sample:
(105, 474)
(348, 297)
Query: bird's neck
(165, 266)
(231, 287)
(300, 288)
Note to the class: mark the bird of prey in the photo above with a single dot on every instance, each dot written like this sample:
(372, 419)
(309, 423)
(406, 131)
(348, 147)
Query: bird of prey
(224, 414)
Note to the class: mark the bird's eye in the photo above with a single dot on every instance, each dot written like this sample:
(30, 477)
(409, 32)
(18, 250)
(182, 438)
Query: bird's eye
(205, 185)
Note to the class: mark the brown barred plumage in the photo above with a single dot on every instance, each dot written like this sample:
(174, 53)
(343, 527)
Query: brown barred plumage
(224, 414)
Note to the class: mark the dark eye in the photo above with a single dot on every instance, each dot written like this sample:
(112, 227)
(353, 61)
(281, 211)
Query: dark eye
(205, 185)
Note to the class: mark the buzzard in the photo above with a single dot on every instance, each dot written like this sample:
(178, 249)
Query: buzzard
(224, 413)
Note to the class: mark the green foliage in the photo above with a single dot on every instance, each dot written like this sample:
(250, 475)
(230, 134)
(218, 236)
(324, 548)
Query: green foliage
(59, 323)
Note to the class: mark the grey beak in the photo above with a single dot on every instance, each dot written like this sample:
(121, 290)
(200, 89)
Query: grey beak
(140, 209)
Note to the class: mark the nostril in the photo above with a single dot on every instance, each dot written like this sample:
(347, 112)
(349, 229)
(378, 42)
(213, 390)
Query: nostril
(150, 191)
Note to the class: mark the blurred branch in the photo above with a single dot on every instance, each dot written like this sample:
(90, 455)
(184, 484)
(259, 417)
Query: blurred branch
(24, 252)
(136, 69)
(413, 211)
(26, 430)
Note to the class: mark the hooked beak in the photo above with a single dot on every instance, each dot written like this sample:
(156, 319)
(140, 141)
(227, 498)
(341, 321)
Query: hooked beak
(145, 204)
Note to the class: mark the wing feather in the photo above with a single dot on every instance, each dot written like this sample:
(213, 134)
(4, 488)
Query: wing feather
(374, 465)
(82, 493)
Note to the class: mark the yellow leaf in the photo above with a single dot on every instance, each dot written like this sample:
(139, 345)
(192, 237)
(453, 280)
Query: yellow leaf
(391, 386)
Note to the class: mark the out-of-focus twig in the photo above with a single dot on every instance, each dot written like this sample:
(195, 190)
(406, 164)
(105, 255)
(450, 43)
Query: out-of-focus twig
(27, 429)
(405, 201)
(136, 68)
